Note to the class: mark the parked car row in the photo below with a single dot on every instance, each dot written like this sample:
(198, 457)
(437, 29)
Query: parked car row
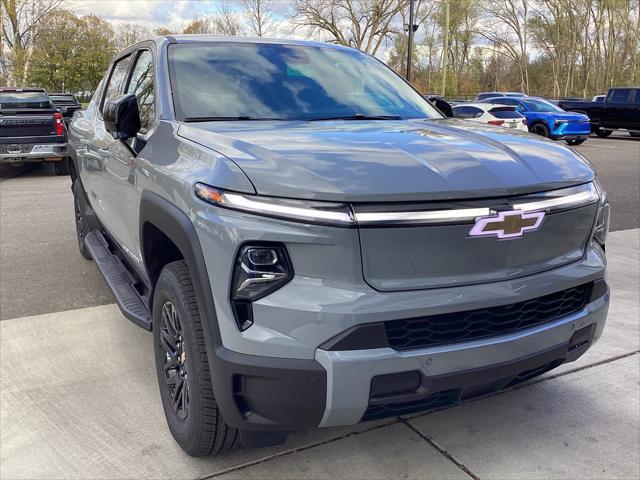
(34, 126)
(568, 119)
(32, 129)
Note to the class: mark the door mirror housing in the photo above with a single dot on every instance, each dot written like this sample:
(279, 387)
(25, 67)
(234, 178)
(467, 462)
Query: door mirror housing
(122, 117)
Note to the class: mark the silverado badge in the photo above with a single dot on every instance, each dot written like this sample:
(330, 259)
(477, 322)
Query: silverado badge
(509, 224)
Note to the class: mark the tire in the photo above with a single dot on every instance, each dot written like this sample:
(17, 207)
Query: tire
(634, 134)
(576, 141)
(61, 167)
(182, 368)
(603, 133)
(540, 129)
(82, 226)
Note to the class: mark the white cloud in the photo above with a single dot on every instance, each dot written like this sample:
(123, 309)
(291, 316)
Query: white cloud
(176, 14)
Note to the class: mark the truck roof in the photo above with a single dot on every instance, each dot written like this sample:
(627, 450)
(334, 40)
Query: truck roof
(183, 38)
(22, 89)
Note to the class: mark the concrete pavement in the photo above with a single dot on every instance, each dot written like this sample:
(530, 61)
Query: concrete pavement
(79, 399)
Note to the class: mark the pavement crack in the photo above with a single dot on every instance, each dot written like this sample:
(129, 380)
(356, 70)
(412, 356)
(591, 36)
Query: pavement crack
(442, 451)
(284, 453)
(528, 383)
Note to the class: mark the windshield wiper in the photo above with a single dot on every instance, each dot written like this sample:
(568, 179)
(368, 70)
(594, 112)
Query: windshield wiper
(230, 118)
(357, 116)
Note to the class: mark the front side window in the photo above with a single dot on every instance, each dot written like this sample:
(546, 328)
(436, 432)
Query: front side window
(141, 84)
(287, 82)
(116, 81)
(620, 95)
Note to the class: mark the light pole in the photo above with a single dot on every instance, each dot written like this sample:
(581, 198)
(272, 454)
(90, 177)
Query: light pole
(412, 28)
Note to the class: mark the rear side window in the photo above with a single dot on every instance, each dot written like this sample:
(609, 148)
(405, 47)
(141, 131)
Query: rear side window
(116, 81)
(141, 84)
(620, 95)
(505, 113)
(636, 98)
(467, 112)
(24, 100)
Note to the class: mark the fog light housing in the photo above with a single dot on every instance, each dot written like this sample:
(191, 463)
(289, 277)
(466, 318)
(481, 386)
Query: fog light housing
(602, 225)
(259, 270)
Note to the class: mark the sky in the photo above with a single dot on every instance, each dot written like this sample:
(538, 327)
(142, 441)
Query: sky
(173, 14)
(176, 14)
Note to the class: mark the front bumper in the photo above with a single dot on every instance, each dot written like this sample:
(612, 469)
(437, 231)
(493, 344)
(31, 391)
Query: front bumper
(268, 394)
(34, 153)
(462, 370)
(571, 131)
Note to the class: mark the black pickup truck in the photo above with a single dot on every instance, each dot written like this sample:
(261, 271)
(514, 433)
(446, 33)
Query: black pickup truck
(31, 129)
(619, 110)
(66, 104)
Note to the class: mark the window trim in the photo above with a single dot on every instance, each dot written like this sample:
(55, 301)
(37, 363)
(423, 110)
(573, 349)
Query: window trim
(106, 85)
(137, 53)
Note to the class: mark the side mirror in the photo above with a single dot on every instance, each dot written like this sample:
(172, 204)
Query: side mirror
(121, 116)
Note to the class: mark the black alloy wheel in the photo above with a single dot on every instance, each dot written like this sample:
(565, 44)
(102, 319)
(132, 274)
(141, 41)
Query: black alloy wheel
(175, 368)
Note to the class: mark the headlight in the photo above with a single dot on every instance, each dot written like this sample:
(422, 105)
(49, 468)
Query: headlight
(602, 222)
(259, 270)
(323, 213)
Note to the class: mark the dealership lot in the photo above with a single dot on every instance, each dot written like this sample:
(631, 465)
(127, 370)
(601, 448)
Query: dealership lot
(79, 395)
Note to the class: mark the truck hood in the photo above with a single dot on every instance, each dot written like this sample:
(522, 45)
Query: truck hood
(569, 116)
(360, 161)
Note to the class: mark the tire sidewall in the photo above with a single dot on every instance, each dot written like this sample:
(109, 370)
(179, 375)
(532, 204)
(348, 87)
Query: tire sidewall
(185, 431)
(540, 129)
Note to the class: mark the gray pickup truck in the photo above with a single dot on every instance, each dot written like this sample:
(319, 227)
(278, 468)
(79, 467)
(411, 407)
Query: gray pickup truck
(313, 244)
(31, 129)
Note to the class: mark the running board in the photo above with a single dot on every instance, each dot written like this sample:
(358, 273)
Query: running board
(119, 280)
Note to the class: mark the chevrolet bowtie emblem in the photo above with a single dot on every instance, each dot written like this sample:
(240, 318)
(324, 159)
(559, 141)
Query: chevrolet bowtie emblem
(509, 224)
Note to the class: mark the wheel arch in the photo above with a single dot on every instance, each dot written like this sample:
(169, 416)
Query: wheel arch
(162, 221)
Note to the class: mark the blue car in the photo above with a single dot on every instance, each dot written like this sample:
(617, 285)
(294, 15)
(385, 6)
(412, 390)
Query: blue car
(548, 120)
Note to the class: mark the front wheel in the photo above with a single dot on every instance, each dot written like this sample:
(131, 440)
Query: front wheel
(182, 367)
(540, 129)
(576, 141)
(603, 133)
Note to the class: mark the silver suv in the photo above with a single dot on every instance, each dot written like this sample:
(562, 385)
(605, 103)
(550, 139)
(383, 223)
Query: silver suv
(313, 245)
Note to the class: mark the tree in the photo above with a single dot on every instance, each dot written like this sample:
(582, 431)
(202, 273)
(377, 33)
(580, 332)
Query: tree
(21, 20)
(72, 53)
(363, 24)
(260, 18)
(505, 26)
(162, 31)
(130, 33)
(57, 61)
(224, 22)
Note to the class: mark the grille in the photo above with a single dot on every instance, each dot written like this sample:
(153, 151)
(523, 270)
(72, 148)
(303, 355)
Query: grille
(576, 127)
(485, 322)
(438, 400)
(448, 398)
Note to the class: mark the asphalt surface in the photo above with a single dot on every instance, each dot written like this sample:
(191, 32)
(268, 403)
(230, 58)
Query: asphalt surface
(41, 270)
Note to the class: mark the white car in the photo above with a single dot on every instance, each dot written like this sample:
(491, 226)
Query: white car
(500, 115)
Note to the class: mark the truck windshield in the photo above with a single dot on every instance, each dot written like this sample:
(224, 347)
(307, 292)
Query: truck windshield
(16, 100)
(247, 81)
